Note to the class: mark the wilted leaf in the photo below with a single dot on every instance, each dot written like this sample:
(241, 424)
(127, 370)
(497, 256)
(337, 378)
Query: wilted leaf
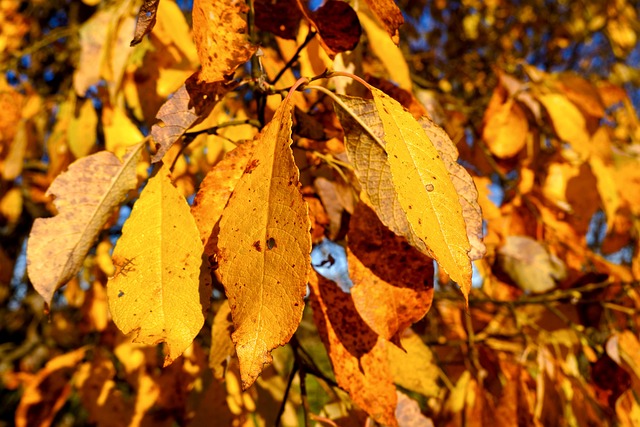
(215, 190)
(414, 368)
(48, 391)
(154, 292)
(280, 17)
(86, 196)
(357, 353)
(425, 191)
(387, 52)
(264, 247)
(146, 20)
(390, 16)
(529, 264)
(220, 33)
(386, 301)
(188, 106)
(221, 345)
(337, 25)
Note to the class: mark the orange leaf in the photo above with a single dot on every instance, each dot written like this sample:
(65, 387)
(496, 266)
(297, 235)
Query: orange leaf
(220, 33)
(388, 302)
(263, 249)
(505, 125)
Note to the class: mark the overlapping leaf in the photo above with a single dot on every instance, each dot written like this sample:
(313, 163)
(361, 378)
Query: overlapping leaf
(146, 20)
(357, 353)
(263, 249)
(390, 16)
(154, 293)
(408, 181)
(86, 196)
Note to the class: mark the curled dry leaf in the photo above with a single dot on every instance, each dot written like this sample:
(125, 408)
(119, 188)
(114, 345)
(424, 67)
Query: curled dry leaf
(220, 33)
(263, 249)
(386, 301)
(146, 20)
(155, 291)
(357, 353)
(188, 106)
(337, 24)
(280, 17)
(86, 196)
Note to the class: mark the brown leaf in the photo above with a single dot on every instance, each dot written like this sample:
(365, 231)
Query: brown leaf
(220, 33)
(390, 16)
(263, 249)
(337, 24)
(86, 196)
(187, 107)
(215, 190)
(387, 301)
(357, 353)
(146, 20)
(280, 17)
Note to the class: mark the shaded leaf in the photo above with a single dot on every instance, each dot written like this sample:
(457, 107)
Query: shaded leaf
(357, 353)
(86, 196)
(425, 191)
(220, 32)
(280, 17)
(385, 49)
(215, 190)
(386, 301)
(146, 20)
(337, 24)
(390, 16)
(264, 247)
(221, 345)
(154, 293)
(188, 106)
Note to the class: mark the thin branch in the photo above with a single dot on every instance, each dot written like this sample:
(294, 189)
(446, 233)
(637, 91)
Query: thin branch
(294, 58)
(292, 375)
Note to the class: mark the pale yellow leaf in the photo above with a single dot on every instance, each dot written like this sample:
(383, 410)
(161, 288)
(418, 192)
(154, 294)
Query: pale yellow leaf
(15, 158)
(387, 52)
(414, 368)
(82, 130)
(86, 196)
(568, 122)
(425, 191)
(154, 293)
(263, 249)
(119, 131)
(607, 188)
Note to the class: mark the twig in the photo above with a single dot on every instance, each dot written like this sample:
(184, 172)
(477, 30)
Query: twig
(294, 58)
(292, 375)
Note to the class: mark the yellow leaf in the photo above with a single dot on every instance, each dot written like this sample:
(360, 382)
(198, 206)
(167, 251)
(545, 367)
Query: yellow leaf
(414, 368)
(154, 292)
(425, 191)
(607, 188)
(86, 196)
(568, 122)
(15, 158)
(119, 131)
(505, 129)
(82, 130)
(390, 54)
(263, 249)
(11, 205)
(221, 344)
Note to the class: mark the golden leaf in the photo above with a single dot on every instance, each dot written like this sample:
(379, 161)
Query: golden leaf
(505, 126)
(425, 191)
(221, 344)
(220, 33)
(154, 292)
(215, 190)
(119, 131)
(568, 122)
(82, 130)
(385, 49)
(264, 249)
(414, 368)
(86, 196)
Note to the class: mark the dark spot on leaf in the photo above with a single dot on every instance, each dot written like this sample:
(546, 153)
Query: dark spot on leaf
(271, 243)
(256, 245)
(251, 166)
(120, 294)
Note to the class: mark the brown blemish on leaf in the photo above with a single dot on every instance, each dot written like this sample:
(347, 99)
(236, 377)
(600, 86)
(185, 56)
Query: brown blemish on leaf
(251, 166)
(256, 245)
(271, 243)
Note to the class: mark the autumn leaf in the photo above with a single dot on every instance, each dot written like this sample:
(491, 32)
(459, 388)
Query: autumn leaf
(220, 32)
(146, 20)
(357, 353)
(568, 122)
(337, 24)
(86, 196)
(215, 190)
(410, 188)
(414, 365)
(154, 293)
(222, 347)
(281, 17)
(505, 125)
(390, 16)
(264, 247)
(188, 106)
(386, 301)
